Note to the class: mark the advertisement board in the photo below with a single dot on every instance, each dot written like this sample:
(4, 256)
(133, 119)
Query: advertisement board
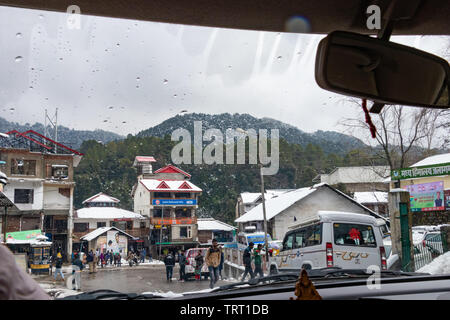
(23, 235)
(174, 202)
(116, 242)
(427, 196)
(421, 172)
(447, 199)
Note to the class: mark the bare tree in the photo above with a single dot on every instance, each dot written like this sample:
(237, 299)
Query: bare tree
(400, 132)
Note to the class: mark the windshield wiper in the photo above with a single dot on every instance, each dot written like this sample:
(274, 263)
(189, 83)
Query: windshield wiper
(109, 294)
(273, 278)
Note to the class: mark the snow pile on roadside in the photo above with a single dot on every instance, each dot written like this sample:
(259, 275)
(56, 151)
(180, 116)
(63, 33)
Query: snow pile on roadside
(440, 265)
(168, 294)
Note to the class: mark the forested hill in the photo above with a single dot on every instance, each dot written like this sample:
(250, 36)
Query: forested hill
(69, 137)
(329, 141)
(108, 168)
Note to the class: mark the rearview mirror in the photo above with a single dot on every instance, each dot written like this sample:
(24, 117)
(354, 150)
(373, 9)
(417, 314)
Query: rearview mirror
(382, 71)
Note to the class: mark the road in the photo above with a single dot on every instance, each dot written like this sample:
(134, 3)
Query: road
(138, 279)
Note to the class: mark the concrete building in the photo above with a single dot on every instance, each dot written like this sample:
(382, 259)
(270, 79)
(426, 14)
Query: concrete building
(209, 228)
(40, 184)
(169, 201)
(376, 201)
(248, 200)
(101, 211)
(284, 210)
(357, 179)
(428, 182)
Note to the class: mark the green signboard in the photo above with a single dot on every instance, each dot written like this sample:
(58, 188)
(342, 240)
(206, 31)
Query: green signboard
(24, 235)
(421, 172)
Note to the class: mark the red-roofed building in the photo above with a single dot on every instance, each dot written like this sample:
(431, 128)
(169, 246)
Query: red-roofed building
(170, 201)
(40, 184)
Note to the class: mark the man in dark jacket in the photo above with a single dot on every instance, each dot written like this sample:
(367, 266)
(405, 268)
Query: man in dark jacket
(182, 262)
(90, 261)
(248, 261)
(169, 261)
(77, 267)
(58, 266)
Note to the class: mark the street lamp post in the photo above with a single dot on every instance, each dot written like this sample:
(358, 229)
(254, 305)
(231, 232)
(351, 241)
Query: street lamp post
(264, 213)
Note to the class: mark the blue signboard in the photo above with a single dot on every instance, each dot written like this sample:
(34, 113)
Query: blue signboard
(174, 202)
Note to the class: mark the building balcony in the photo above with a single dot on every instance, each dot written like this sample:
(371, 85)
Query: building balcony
(173, 221)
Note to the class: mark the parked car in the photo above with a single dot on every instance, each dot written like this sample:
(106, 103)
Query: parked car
(332, 239)
(393, 260)
(190, 263)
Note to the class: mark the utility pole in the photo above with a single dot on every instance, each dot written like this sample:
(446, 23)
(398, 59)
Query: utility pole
(54, 123)
(264, 212)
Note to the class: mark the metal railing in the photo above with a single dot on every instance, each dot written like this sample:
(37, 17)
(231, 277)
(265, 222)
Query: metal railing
(427, 250)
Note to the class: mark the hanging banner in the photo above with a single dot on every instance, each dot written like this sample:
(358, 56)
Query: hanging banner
(421, 172)
(447, 199)
(427, 196)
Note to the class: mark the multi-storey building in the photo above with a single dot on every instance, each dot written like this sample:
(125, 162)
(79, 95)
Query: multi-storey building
(40, 184)
(169, 200)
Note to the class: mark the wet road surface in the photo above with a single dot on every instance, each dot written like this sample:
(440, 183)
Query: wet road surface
(141, 279)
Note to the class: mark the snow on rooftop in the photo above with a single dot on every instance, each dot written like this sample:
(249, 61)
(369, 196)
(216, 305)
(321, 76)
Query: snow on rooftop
(106, 213)
(251, 197)
(99, 231)
(212, 224)
(101, 197)
(275, 205)
(174, 185)
(437, 159)
(371, 197)
(4, 135)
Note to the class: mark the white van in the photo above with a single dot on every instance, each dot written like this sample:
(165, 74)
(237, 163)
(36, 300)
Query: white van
(332, 239)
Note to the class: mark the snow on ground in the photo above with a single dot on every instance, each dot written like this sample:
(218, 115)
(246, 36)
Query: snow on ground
(440, 265)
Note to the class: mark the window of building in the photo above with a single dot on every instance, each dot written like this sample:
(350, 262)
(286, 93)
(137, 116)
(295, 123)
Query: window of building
(101, 224)
(80, 227)
(60, 171)
(129, 225)
(23, 167)
(61, 225)
(183, 213)
(162, 195)
(182, 195)
(23, 195)
(183, 232)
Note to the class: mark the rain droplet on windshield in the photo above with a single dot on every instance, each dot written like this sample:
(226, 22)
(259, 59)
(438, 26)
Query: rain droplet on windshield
(18, 59)
(111, 107)
(137, 79)
(279, 57)
(18, 35)
(165, 81)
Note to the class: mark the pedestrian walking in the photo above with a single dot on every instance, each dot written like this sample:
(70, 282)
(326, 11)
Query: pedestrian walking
(169, 261)
(222, 258)
(213, 257)
(95, 263)
(119, 259)
(150, 257)
(90, 261)
(102, 259)
(77, 267)
(198, 266)
(143, 254)
(58, 266)
(182, 263)
(247, 256)
(258, 261)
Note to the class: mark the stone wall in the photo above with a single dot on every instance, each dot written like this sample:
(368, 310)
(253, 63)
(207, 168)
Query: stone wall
(430, 218)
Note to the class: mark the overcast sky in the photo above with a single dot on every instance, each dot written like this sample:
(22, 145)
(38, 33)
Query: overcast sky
(136, 74)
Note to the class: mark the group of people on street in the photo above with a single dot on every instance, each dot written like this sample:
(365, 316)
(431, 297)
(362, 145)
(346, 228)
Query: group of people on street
(214, 259)
(254, 255)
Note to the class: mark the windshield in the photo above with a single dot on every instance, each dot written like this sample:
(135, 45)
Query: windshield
(126, 143)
